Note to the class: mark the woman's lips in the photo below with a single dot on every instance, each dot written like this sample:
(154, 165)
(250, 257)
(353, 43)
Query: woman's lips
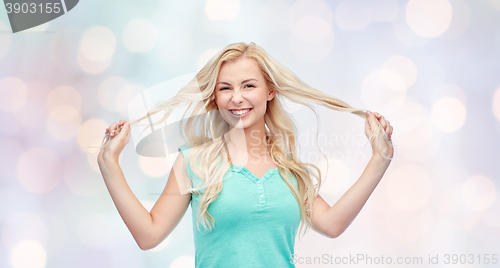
(241, 116)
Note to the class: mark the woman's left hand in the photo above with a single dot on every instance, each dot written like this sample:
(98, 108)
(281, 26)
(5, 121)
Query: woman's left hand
(380, 148)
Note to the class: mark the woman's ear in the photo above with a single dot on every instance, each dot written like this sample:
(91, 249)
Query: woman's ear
(272, 93)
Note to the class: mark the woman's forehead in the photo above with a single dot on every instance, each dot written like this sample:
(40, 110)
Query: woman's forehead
(239, 70)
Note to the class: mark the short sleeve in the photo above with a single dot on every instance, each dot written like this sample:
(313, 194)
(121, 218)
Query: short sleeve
(185, 150)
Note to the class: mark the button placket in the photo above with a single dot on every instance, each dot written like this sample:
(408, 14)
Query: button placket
(262, 199)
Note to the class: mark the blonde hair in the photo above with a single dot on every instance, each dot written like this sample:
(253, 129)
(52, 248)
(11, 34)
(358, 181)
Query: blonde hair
(208, 145)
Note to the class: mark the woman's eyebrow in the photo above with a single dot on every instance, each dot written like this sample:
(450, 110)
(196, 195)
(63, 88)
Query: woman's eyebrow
(244, 81)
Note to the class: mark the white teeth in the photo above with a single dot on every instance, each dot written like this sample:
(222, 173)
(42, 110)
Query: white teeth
(240, 112)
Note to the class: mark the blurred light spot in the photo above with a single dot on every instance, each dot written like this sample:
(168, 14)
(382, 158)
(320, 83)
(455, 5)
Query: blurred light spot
(408, 187)
(274, 15)
(28, 254)
(496, 104)
(311, 29)
(23, 225)
(383, 90)
(4, 40)
(222, 9)
(125, 96)
(175, 44)
(97, 47)
(63, 122)
(98, 44)
(311, 52)
(453, 209)
(459, 21)
(91, 133)
(64, 95)
(353, 15)
(383, 10)
(183, 262)
(92, 67)
(429, 18)
(205, 57)
(13, 94)
(316, 18)
(94, 230)
(448, 114)
(410, 227)
(108, 91)
(478, 192)
(404, 67)
(11, 150)
(39, 170)
(140, 35)
(155, 166)
(337, 181)
(415, 136)
(79, 178)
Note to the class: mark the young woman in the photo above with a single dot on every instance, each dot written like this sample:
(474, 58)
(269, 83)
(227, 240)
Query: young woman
(248, 189)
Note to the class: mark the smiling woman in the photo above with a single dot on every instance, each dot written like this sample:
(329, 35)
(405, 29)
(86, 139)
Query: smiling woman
(239, 168)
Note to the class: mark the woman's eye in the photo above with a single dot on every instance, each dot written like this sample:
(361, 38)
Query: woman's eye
(224, 88)
(250, 85)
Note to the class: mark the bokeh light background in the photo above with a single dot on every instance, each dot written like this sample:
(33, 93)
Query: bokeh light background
(431, 67)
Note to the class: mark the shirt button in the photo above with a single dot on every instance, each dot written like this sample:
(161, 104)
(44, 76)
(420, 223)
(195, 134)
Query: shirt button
(261, 196)
(260, 187)
(258, 181)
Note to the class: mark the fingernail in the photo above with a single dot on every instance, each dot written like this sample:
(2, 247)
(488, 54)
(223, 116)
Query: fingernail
(128, 124)
(368, 113)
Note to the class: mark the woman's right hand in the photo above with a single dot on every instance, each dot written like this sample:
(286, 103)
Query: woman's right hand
(119, 135)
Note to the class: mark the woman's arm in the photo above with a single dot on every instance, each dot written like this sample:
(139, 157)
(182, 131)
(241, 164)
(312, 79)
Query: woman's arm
(148, 229)
(333, 221)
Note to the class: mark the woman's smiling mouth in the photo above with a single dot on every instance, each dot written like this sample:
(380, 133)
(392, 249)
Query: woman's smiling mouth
(241, 112)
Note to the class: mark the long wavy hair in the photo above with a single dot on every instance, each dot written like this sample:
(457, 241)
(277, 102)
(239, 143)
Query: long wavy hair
(203, 128)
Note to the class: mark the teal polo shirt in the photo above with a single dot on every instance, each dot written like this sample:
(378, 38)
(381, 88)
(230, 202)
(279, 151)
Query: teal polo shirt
(256, 220)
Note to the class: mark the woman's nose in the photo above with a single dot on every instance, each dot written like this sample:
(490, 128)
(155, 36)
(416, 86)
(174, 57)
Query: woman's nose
(237, 95)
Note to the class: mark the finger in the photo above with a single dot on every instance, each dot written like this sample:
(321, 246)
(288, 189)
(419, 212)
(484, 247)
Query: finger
(383, 122)
(372, 120)
(112, 129)
(126, 129)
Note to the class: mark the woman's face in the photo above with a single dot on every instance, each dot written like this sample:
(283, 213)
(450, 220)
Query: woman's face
(241, 93)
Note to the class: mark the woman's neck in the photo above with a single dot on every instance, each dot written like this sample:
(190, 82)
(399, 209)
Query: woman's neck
(251, 140)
